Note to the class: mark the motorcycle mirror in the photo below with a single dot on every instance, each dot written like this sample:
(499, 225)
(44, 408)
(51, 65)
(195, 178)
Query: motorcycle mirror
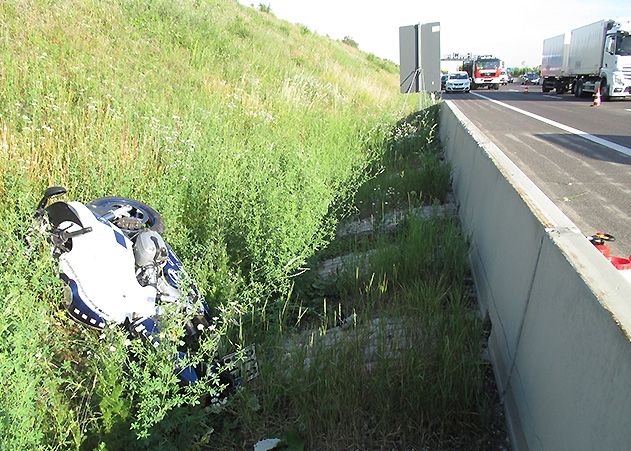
(51, 191)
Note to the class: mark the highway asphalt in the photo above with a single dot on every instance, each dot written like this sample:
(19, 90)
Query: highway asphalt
(577, 154)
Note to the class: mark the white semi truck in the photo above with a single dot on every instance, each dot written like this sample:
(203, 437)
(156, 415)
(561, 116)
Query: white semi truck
(597, 56)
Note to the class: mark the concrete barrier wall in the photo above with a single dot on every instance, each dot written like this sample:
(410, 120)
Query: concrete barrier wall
(560, 313)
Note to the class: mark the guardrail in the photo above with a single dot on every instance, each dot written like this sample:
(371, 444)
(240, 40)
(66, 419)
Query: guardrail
(560, 312)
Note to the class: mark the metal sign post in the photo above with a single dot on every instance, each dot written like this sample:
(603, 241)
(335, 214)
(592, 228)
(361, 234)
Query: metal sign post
(419, 59)
(409, 59)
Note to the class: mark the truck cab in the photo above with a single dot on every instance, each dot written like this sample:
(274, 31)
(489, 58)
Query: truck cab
(484, 71)
(616, 68)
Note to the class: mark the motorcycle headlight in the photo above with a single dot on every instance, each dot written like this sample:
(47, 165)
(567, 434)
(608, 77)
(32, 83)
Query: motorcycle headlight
(618, 78)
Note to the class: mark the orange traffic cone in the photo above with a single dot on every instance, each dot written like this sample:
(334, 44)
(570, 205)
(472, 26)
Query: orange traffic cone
(597, 98)
(525, 89)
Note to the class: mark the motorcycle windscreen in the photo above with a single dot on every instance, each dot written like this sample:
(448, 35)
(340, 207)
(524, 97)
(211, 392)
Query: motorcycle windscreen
(101, 265)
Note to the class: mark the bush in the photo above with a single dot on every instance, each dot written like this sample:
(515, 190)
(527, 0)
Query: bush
(350, 41)
(265, 8)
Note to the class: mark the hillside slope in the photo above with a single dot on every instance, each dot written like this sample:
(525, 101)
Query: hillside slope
(245, 132)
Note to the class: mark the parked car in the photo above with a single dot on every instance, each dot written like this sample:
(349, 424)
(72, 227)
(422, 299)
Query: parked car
(458, 82)
(530, 78)
(443, 80)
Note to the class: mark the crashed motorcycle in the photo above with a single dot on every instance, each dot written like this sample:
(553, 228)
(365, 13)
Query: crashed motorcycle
(118, 269)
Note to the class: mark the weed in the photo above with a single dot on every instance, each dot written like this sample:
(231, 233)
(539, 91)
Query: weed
(385, 354)
(197, 109)
(411, 172)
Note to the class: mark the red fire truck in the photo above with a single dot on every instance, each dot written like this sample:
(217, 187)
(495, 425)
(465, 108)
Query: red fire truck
(484, 71)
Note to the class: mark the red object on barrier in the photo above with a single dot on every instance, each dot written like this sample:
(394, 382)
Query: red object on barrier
(525, 89)
(604, 249)
(599, 239)
(620, 262)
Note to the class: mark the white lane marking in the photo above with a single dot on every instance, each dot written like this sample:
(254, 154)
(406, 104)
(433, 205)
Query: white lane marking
(510, 90)
(603, 142)
(552, 97)
(627, 109)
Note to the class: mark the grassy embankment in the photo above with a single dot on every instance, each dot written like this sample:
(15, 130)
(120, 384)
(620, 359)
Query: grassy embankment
(248, 134)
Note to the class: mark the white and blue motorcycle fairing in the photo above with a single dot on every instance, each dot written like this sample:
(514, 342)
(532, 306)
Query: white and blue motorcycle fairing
(124, 275)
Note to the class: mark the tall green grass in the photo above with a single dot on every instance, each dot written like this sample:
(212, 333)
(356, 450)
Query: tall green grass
(244, 131)
(405, 372)
(387, 352)
(412, 171)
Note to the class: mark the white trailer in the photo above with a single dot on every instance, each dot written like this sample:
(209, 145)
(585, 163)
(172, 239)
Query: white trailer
(598, 56)
(555, 57)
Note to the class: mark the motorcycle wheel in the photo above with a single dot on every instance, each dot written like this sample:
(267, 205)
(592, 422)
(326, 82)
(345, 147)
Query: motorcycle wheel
(149, 217)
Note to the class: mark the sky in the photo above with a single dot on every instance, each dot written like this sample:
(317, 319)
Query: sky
(511, 30)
